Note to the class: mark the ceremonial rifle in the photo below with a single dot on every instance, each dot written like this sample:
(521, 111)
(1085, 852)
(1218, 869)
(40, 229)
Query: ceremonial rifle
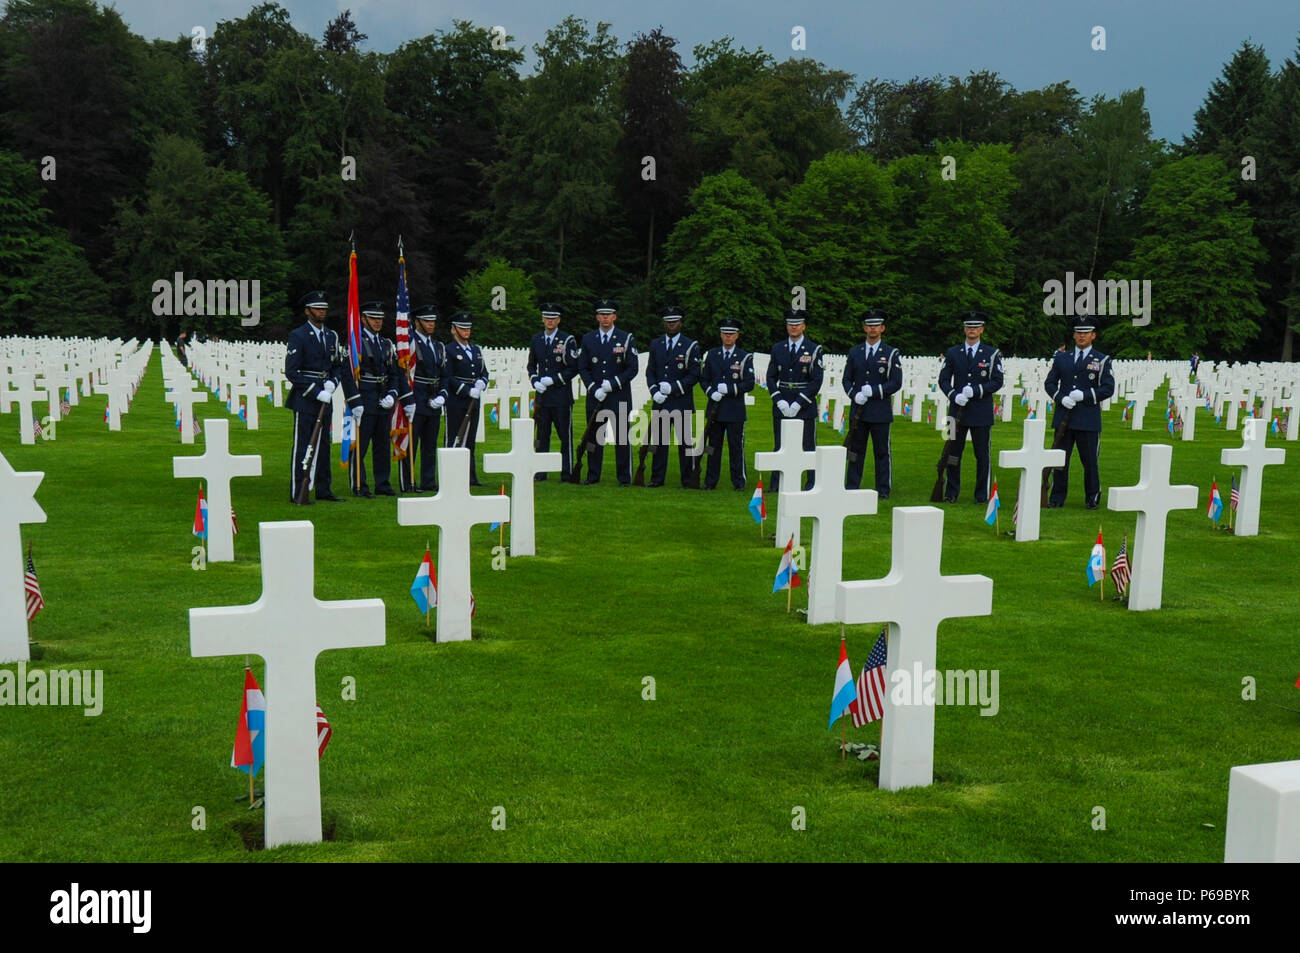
(308, 466)
(703, 448)
(588, 439)
(855, 421)
(946, 458)
(462, 435)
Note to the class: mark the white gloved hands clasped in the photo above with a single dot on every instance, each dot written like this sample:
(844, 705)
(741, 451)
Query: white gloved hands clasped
(1068, 402)
(961, 399)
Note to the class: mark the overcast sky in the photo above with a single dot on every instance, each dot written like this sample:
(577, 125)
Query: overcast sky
(1173, 48)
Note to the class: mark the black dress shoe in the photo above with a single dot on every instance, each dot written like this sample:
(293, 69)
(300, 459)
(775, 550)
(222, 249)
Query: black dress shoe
(589, 482)
(741, 487)
(332, 498)
(1054, 506)
(950, 499)
(1091, 506)
(386, 491)
(652, 485)
(304, 503)
(881, 496)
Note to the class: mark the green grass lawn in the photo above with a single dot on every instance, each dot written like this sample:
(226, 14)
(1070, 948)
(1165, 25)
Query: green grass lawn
(542, 714)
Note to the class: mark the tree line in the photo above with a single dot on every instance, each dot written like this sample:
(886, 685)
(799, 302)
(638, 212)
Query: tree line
(731, 186)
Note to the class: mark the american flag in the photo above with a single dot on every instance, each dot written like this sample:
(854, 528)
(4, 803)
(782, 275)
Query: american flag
(64, 407)
(323, 732)
(399, 428)
(36, 427)
(1015, 512)
(1119, 573)
(1236, 496)
(33, 588)
(870, 703)
(234, 523)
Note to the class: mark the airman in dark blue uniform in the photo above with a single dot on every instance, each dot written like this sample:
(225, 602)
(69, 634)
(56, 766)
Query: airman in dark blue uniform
(608, 365)
(382, 384)
(315, 365)
(726, 376)
(672, 371)
(1079, 380)
(464, 379)
(971, 375)
(425, 410)
(552, 365)
(794, 378)
(873, 373)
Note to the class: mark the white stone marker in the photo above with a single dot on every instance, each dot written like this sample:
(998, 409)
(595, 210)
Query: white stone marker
(1031, 460)
(1153, 497)
(829, 505)
(1263, 814)
(1252, 456)
(1140, 402)
(17, 505)
(522, 462)
(24, 395)
(1009, 392)
(455, 512)
(185, 399)
(914, 598)
(288, 627)
(790, 462)
(218, 467)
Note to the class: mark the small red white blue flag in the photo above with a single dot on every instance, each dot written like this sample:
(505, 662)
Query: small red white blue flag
(757, 505)
(1215, 507)
(844, 693)
(787, 574)
(1097, 561)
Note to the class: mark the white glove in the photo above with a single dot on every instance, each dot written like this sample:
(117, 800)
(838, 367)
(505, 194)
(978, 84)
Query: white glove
(860, 397)
(601, 393)
(541, 385)
(475, 392)
(547, 381)
(717, 394)
(323, 396)
(791, 410)
(1076, 395)
(961, 399)
(968, 392)
(782, 406)
(329, 386)
(387, 402)
(722, 388)
(867, 390)
(482, 385)
(1068, 402)
(606, 386)
(409, 410)
(357, 413)
(436, 402)
(665, 388)
(658, 398)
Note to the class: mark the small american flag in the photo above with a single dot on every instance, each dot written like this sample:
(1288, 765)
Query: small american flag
(870, 703)
(234, 523)
(1015, 513)
(36, 427)
(1119, 573)
(323, 732)
(64, 407)
(1236, 495)
(33, 588)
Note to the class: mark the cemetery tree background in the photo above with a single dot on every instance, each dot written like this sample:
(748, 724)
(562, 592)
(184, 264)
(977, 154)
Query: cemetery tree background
(123, 161)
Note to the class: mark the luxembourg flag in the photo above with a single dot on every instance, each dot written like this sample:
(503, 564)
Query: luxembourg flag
(757, 505)
(1215, 508)
(995, 504)
(424, 590)
(201, 516)
(1097, 561)
(250, 734)
(787, 576)
(845, 691)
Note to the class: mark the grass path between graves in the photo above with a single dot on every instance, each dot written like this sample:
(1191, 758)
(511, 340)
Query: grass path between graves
(1140, 714)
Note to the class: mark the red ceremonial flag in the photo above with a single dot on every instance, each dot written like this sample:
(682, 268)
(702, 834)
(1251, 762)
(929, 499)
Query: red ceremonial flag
(354, 317)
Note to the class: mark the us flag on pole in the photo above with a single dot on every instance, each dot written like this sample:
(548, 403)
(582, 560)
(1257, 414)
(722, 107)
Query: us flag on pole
(1236, 495)
(323, 732)
(399, 428)
(32, 588)
(870, 703)
(1119, 573)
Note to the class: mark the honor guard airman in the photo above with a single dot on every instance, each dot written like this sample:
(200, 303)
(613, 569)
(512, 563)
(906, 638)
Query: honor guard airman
(873, 373)
(552, 365)
(607, 362)
(1079, 380)
(794, 378)
(315, 365)
(726, 376)
(971, 375)
(672, 371)
(464, 379)
(382, 384)
(425, 409)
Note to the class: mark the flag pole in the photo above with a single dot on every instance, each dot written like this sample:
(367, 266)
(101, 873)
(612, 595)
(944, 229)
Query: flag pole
(844, 729)
(1101, 590)
(789, 591)
(426, 598)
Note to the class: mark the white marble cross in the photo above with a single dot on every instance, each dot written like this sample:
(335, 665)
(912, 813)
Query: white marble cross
(117, 399)
(17, 505)
(1031, 460)
(1008, 393)
(1234, 396)
(24, 394)
(522, 462)
(185, 398)
(218, 467)
(790, 462)
(248, 389)
(455, 512)
(829, 504)
(288, 627)
(914, 598)
(1252, 456)
(1153, 497)
(1140, 401)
